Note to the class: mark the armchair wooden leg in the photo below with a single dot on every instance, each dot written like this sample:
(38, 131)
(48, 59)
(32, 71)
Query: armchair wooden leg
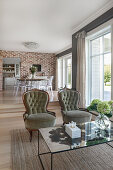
(64, 123)
(30, 138)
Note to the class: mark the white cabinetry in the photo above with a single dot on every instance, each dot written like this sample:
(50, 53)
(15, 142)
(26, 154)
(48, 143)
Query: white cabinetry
(9, 81)
(11, 71)
(17, 70)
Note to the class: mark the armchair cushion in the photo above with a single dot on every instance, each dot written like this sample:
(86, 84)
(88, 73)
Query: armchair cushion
(40, 120)
(76, 116)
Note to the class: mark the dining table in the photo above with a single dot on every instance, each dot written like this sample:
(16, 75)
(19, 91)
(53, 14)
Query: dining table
(28, 79)
(31, 80)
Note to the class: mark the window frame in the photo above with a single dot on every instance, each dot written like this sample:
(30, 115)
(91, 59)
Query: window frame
(64, 70)
(90, 37)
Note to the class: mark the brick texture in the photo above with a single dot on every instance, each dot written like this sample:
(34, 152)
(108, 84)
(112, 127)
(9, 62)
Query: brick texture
(46, 60)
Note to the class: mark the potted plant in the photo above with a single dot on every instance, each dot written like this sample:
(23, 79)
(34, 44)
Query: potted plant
(111, 105)
(33, 69)
(104, 109)
(93, 105)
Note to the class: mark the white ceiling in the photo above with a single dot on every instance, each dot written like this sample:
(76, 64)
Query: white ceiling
(47, 22)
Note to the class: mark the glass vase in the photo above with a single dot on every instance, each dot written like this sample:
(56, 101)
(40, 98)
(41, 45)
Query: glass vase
(33, 76)
(102, 121)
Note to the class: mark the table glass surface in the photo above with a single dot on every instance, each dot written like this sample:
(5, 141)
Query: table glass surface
(57, 139)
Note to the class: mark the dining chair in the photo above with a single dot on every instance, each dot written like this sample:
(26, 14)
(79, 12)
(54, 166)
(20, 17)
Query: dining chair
(43, 85)
(29, 85)
(50, 84)
(19, 85)
(16, 86)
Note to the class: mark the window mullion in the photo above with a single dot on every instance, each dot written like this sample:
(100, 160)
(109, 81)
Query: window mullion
(112, 62)
(90, 72)
(103, 64)
(103, 53)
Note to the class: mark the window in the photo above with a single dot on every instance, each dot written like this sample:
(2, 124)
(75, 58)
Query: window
(98, 65)
(68, 72)
(65, 72)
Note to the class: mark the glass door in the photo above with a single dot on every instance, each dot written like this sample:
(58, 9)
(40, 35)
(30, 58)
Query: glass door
(69, 73)
(65, 72)
(100, 68)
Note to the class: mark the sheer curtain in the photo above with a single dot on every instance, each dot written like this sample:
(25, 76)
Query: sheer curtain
(56, 77)
(81, 67)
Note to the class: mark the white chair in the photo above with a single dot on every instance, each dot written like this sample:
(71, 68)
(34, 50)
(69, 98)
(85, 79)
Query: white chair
(22, 86)
(43, 85)
(16, 86)
(50, 84)
(29, 85)
(19, 85)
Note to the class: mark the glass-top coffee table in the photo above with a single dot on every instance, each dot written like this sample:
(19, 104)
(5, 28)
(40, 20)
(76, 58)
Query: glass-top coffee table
(57, 140)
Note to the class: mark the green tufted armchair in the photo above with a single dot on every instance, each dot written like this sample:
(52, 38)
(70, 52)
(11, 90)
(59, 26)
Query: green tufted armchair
(69, 100)
(36, 115)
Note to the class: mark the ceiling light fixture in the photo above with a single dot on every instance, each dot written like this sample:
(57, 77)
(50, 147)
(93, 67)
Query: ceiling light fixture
(31, 45)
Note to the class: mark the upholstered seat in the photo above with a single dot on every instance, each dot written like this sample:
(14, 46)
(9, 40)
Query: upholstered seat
(69, 100)
(35, 121)
(76, 116)
(36, 115)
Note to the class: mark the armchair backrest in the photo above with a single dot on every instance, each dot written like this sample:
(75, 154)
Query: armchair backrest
(35, 101)
(68, 99)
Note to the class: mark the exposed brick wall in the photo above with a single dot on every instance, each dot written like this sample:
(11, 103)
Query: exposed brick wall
(46, 60)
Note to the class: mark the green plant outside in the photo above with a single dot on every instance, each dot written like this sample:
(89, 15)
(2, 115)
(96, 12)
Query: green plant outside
(107, 77)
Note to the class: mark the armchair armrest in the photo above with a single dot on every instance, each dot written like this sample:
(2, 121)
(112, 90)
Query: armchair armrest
(63, 112)
(51, 113)
(25, 115)
(94, 113)
(84, 109)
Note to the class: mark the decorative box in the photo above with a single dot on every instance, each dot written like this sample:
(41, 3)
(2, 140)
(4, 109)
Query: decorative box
(72, 130)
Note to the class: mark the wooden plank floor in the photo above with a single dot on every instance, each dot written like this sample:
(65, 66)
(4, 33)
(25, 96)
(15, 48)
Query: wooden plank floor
(11, 111)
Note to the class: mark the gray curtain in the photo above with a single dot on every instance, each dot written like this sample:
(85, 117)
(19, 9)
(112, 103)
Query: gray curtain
(81, 67)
